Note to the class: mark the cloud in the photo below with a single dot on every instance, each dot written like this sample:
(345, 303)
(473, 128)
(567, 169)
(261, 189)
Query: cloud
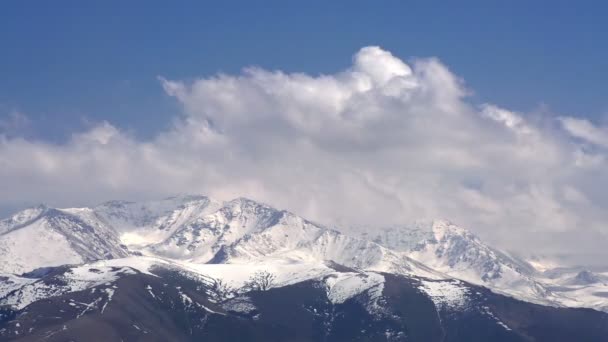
(382, 142)
(14, 124)
(586, 131)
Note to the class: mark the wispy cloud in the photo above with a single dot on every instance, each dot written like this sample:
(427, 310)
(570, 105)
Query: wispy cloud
(14, 124)
(585, 130)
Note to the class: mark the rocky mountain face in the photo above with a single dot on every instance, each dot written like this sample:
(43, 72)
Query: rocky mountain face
(191, 267)
(169, 304)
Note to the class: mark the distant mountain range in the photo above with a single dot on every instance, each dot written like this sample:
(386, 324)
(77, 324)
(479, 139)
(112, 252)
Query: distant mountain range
(193, 268)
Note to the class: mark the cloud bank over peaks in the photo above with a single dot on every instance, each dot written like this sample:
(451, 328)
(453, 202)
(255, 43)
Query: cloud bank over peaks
(379, 143)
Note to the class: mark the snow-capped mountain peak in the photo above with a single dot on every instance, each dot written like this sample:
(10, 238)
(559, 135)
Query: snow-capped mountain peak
(22, 217)
(443, 229)
(449, 248)
(124, 215)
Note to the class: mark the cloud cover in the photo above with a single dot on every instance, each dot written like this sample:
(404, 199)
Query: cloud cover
(382, 142)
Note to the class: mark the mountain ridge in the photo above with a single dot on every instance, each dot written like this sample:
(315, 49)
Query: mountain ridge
(196, 229)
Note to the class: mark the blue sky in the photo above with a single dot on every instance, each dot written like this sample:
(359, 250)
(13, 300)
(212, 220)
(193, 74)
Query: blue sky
(65, 64)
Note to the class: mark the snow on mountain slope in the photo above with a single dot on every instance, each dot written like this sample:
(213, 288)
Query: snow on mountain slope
(19, 292)
(244, 231)
(49, 237)
(450, 293)
(454, 251)
(225, 239)
(308, 243)
(578, 287)
(200, 230)
(190, 231)
(144, 223)
(450, 249)
(21, 218)
(202, 236)
(115, 303)
(342, 286)
(48, 248)
(127, 215)
(71, 280)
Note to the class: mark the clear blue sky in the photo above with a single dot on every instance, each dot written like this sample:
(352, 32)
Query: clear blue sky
(65, 62)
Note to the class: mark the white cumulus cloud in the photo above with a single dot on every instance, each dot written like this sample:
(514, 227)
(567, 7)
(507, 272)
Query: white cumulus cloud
(382, 142)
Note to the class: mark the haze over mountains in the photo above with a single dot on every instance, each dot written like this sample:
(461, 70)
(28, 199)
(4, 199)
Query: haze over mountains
(227, 244)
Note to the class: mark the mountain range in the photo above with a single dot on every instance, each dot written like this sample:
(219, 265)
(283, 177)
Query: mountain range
(195, 268)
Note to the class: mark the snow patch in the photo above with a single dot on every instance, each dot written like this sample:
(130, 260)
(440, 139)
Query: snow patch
(450, 294)
(73, 280)
(110, 293)
(488, 312)
(343, 286)
(240, 304)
